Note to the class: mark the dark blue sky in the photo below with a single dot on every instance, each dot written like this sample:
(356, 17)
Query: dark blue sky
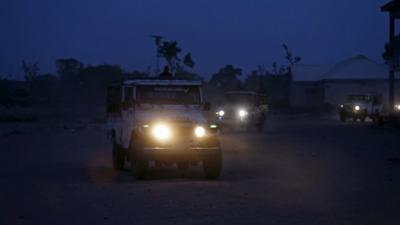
(216, 32)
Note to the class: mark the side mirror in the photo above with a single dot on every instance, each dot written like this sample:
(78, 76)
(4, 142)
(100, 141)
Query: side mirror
(207, 106)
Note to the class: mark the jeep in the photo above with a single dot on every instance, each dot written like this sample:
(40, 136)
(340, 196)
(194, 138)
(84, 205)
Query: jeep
(361, 106)
(156, 121)
(242, 109)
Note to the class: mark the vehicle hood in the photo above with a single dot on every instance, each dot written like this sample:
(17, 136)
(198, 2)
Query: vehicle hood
(175, 113)
(232, 107)
(354, 103)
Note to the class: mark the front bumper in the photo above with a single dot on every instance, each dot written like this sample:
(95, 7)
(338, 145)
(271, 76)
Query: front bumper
(174, 154)
(232, 121)
(353, 113)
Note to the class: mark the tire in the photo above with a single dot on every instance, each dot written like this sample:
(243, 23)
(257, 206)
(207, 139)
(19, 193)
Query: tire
(212, 164)
(118, 156)
(342, 117)
(139, 163)
(381, 121)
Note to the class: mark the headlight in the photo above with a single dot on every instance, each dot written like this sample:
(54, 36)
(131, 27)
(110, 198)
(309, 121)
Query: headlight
(199, 132)
(242, 113)
(161, 132)
(397, 107)
(357, 108)
(221, 113)
(342, 106)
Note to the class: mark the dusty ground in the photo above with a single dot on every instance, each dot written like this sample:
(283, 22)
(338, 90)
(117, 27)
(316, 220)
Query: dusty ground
(300, 171)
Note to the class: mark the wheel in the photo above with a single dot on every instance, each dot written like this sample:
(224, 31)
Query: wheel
(139, 163)
(212, 163)
(118, 156)
(342, 117)
(381, 121)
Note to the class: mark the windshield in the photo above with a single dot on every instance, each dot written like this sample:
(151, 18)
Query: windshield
(363, 98)
(188, 95)
(240, 98)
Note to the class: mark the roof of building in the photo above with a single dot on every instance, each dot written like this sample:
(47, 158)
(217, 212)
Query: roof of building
(393, 6)
(354, 68)
(302, 72)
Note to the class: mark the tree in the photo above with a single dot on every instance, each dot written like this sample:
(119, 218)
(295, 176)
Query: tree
(30, 70)
(170, 51)
(68, 68)
(227, 78)
(188, 61)
(289, 56)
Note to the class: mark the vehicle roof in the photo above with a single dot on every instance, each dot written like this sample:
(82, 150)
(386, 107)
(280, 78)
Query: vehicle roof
(241, 92)
(159, 82)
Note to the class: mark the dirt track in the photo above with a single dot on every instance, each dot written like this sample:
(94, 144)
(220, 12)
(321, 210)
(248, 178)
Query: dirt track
(299, 171)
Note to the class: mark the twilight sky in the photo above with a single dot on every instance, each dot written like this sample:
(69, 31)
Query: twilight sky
(216, 32)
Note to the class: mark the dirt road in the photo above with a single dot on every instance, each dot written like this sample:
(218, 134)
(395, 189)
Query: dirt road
(299, 171)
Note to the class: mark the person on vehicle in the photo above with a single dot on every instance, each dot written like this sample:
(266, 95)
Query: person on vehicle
(166, 74)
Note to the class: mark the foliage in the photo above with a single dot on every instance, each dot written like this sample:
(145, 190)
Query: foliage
(68, 67)
(289, 56)
(227, 78)
(188, 60)
(30, 70)
(170, 51)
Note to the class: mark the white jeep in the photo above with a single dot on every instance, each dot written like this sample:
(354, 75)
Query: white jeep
(242, 109)
(361, 106)
(161, 121)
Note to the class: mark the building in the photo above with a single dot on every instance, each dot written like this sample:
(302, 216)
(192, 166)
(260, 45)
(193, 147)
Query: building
(317, 87)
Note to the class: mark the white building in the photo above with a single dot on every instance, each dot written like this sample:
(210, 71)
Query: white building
(325, 86)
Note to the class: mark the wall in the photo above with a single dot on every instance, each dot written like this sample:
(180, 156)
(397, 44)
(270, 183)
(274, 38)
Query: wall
(336, 91)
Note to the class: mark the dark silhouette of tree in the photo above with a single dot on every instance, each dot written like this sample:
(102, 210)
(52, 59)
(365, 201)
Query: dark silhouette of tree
(289, 56)
(170, 51)
(188, 61)
(30, 70)
(227, 78)
(68, 68)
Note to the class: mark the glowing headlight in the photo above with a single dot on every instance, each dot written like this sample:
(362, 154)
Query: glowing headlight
(357, 107)
(162, 132)
(397, 107)
(199, 132)
(242, 113)
(341, 106)
(221, 113)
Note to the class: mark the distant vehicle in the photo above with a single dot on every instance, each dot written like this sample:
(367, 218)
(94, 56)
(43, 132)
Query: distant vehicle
(361, 106)
(242, 109)
(161, 120)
